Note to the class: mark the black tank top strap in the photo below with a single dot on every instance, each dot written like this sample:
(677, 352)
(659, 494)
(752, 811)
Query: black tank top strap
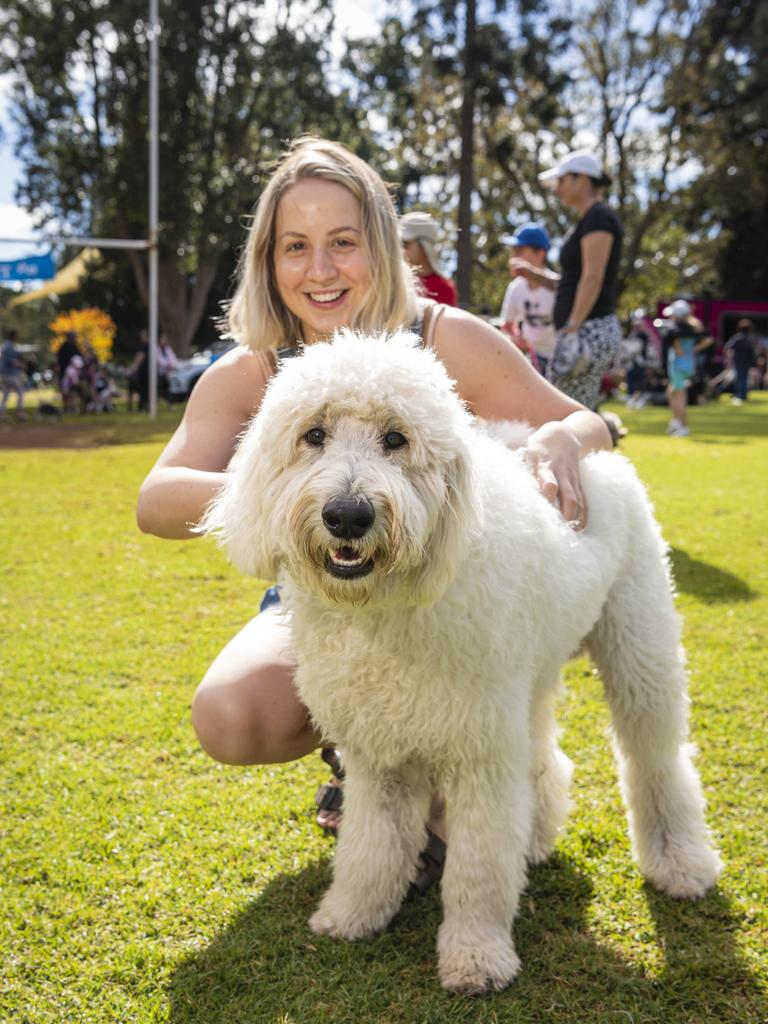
(430, 315)
(417, 328)
(424, 324)
(287, 352)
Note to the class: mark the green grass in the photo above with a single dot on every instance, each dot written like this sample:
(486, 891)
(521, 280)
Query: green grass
(142, 882)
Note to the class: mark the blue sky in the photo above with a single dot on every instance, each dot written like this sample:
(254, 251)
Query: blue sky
(13, 221)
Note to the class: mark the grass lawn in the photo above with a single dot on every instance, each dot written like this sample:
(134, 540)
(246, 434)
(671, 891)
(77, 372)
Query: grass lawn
(141, 882)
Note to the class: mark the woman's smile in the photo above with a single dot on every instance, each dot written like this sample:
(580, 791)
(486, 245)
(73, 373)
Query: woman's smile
(327, 298)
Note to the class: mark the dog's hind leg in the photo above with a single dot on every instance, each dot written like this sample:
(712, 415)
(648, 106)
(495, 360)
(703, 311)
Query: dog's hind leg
(489, 828)
(551, 772)
(636, 646)
(376, 858)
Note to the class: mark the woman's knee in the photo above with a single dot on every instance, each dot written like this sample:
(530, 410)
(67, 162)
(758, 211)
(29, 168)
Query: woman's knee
(226, 729)
(258, 720)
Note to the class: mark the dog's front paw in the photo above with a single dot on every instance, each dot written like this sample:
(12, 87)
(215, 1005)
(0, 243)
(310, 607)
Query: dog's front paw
(338, 919)
(473, 967)
(690, 874)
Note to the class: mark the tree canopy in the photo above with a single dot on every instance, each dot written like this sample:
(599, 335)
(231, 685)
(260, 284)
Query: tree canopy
(461, 104)
(719, 95)
(234, 84)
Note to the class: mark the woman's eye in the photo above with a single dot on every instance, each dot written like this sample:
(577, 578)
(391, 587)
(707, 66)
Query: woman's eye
(315, 436)
(394, 439)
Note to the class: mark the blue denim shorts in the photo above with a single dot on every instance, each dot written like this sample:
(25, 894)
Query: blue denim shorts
(270, 598)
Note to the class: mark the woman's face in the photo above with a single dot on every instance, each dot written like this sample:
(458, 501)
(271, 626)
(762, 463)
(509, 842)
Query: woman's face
(571, 189)
(415, 256)
(321, 264)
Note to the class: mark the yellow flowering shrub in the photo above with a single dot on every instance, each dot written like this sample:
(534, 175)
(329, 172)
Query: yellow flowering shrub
(90, 325)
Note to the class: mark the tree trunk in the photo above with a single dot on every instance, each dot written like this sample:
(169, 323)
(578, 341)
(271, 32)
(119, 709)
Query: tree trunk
(181, 303)
(466, 161)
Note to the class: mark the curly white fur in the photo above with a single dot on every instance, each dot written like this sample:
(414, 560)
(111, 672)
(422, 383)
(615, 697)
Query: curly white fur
(436, 667)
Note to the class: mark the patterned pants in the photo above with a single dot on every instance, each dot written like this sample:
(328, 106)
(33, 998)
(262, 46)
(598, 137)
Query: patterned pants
(581, 358)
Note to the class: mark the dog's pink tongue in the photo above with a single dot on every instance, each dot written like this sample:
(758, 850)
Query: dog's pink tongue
(346, 554)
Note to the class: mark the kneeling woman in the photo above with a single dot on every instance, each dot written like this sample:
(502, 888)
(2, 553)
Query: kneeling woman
(323, 252)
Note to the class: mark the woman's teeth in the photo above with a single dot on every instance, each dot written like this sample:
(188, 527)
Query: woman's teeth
(325, 296)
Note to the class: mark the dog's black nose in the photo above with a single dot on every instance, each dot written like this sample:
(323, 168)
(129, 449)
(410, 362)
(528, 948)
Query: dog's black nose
(348, 518)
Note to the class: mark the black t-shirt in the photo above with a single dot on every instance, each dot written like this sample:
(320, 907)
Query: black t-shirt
(67, 350)
(597, 218)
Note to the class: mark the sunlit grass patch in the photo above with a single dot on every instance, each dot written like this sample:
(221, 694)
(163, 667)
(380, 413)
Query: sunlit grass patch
(142, 882)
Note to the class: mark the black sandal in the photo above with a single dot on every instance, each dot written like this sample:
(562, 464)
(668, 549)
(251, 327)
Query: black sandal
(330, 796)
(432, 865)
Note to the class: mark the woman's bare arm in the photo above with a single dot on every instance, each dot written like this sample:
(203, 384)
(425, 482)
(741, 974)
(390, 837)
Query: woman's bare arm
(498, 383)
(191, 468)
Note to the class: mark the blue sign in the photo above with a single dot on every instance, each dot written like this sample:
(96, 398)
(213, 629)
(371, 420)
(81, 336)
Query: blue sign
(31, 268)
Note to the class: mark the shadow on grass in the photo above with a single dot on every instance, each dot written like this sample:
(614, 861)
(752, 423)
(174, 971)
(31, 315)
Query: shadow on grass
(267, 967)
(705, 972)
(706, 582)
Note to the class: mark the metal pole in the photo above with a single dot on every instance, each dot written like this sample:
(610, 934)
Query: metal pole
(154, 31)
(97, 243)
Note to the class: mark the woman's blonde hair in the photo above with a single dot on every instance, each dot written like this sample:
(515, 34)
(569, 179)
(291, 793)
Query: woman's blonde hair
(257, 316)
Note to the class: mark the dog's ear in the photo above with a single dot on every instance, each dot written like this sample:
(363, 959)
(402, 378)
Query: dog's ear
(243, 514)
(457, 529)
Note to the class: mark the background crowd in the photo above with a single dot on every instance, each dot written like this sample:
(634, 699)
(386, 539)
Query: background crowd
(564, 320)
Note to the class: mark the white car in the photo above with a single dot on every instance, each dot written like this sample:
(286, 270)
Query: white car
(183, 378)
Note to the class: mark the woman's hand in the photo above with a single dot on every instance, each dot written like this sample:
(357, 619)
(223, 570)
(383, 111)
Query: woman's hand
(553, 453)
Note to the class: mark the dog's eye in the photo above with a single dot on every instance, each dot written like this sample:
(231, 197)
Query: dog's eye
(394, 439)
(315, 436)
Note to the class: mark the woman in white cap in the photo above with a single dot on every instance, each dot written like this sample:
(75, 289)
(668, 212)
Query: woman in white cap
(685, 338)
(588, 330)
(419, 234)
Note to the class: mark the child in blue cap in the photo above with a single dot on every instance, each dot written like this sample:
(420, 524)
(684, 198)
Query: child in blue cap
(526, 312)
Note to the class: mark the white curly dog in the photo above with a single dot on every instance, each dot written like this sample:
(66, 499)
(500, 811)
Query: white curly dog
(435, 595)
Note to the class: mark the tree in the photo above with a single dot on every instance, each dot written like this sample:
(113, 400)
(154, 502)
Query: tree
(447, 96)
(234, 85)
(676, 97)
(719, 98)
(621, 56)
(467, 153)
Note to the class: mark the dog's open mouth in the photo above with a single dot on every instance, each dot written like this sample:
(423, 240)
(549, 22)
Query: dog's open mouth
(347, 564)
